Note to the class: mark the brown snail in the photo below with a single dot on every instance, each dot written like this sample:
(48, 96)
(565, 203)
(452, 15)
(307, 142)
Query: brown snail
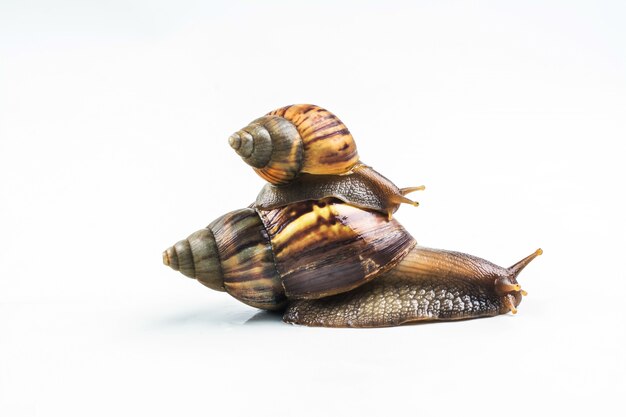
(328, 263)
(306, 153)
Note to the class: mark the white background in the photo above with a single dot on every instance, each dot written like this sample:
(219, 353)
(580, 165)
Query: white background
(114, 117)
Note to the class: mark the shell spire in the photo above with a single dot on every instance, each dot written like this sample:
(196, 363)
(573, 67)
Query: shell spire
(197, 257)
(507, 287)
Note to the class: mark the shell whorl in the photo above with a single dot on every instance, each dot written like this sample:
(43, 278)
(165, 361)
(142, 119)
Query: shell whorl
(245, 253)
(232, 254)
(197, 257)
(296, 139)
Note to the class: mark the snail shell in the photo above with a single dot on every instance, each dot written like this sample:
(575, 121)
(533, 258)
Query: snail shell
(307, 250)
(363, 188)
(301, 138)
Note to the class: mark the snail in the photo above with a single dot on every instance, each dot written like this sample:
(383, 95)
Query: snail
(306, 153)
(328, 263)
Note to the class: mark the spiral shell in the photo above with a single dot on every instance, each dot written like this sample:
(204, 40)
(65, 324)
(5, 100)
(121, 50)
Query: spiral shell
(296, 139)
(302, 251)
(231, 254)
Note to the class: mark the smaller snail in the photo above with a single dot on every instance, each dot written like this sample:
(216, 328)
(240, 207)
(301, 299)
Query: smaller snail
(301, 138)
(363, 188)
(306, 153)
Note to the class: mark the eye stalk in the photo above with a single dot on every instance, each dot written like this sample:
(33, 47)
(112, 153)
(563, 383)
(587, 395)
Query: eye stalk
(507, 286)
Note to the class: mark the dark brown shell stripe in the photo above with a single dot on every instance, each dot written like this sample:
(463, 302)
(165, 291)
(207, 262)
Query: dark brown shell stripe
(328, 145)
(247, 262)
(326, 247)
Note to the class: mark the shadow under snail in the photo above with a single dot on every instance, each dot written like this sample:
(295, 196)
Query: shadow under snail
(333, 260)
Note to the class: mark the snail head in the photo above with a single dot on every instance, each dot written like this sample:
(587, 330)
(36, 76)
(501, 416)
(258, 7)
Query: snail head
(507, 286)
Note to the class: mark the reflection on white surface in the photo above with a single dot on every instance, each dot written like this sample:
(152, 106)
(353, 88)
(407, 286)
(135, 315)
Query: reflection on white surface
(213, 316)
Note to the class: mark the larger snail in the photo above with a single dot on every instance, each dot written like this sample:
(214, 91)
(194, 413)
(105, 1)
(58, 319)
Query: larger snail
(327, 263)
(306, 153)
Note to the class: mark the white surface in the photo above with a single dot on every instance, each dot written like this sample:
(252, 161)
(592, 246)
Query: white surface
(113, 125)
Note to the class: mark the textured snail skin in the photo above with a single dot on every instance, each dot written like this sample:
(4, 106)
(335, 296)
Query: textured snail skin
(362, 187)
(427, 285)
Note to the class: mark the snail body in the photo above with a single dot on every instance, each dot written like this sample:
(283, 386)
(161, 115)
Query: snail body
(363, 188)
(427, 285)
(327, 263)
(296, 139)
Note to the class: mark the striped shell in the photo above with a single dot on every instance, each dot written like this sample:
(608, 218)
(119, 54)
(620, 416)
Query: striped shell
(296, 139)
(306, 250)
(327, 247)
(232, 254)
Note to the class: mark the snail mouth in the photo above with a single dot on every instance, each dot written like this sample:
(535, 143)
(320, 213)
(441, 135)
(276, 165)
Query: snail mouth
(166, 259)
